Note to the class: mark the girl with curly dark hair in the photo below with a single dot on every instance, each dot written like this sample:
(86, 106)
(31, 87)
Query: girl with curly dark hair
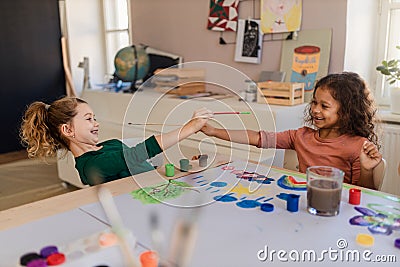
(339, 132)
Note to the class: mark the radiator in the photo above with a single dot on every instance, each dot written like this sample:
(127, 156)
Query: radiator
(391, 152)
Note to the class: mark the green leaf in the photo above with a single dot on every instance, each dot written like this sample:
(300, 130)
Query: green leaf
(392, 63)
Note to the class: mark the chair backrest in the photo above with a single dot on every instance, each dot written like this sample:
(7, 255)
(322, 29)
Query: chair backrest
(68, 173)
(379, 174)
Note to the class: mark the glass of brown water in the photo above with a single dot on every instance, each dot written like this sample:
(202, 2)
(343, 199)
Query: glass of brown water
(324, 190)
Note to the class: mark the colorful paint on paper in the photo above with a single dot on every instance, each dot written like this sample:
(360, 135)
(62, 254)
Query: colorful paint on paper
(223, 15)
(161, 192)
(280, 15)
(289, 182)
(242, 194)
(377, 223)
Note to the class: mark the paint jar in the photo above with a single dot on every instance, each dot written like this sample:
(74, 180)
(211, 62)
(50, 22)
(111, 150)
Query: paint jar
(305, 67)
(169, 170)
(149, 258)
(203, 160)
(251, 91)
(184, 165)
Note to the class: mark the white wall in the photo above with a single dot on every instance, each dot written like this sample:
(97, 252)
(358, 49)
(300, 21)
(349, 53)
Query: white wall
(361, 39)
(180, 27)
(85, 39)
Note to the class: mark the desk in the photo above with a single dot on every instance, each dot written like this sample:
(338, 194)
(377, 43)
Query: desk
(227, 234)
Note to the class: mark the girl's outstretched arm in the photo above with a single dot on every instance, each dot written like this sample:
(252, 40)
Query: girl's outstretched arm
(369, 159)
(237, 136)
(199, 119)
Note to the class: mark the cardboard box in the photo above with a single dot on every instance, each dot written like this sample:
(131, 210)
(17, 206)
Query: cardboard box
(180, 81)
(280, 93)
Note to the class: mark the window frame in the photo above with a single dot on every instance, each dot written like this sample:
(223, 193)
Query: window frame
(110, 63)
(382, 87)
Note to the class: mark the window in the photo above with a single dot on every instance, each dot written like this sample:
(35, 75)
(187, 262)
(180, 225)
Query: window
(389, 38)
(117, 29)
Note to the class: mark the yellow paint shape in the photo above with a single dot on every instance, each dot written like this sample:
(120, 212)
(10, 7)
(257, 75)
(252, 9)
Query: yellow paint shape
(241, 190)
(365, 240)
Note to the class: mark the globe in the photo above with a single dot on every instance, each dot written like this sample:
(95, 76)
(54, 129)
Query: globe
(131, 63)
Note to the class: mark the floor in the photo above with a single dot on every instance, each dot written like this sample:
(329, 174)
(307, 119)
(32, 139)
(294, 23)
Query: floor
(24, 180)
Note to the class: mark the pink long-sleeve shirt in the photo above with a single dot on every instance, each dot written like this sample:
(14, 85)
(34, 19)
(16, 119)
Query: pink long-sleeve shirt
(342, 152)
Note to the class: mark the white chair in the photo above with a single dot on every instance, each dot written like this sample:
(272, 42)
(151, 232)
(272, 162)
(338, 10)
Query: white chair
(69, 175)
(379, 174)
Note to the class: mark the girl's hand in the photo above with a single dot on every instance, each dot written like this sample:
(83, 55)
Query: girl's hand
(200, 118)
(208, 129)
(369, 156)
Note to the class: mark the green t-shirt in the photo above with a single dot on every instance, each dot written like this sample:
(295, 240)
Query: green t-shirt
(116, 160)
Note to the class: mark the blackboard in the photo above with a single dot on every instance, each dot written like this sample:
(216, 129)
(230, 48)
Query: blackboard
(31, 66)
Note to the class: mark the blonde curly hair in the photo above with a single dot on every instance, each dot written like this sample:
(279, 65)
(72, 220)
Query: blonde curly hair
(41, 126)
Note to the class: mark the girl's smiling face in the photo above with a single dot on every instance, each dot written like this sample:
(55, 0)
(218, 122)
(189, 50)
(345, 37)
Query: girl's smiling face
(324, 109)
(85, 127)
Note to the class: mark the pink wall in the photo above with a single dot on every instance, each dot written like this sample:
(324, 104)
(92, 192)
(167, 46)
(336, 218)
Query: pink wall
(179, 26)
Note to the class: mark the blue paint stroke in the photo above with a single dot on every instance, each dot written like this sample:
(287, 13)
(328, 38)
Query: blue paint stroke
(242, 198)
(209, 188)
(219, 184)
(265, 181)
(259, 198)
(215, 191)
(202, 181)
(203, 184)
(197, 177)
(225, 198)
(247, 204)
(271, 198)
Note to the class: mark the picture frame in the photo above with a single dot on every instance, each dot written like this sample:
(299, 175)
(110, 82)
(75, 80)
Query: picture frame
(249, 40)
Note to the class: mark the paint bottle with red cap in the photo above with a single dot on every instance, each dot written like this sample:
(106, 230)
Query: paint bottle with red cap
(354, 196)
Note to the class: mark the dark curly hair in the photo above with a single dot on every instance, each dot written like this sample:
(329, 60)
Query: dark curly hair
(357, 111)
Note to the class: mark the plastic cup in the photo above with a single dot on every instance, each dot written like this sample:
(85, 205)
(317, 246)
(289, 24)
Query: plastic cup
(184, 165)
(324, 190)
(169, 170)
(149, 258)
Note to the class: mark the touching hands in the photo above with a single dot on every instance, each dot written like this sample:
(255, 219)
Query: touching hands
(208, 129)
(369, 156)
(200, 118)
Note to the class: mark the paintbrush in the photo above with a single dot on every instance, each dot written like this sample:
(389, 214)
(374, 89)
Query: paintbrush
(151, 123)
(232, 112)
(215, 113)
(126, 240)
(157, 236)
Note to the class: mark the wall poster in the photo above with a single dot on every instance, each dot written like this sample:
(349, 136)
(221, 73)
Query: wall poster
(280, 15)
(307, 58)
(223, 15)
(249, 40)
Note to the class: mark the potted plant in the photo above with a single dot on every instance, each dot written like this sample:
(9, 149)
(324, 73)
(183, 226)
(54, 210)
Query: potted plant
(391, 69)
